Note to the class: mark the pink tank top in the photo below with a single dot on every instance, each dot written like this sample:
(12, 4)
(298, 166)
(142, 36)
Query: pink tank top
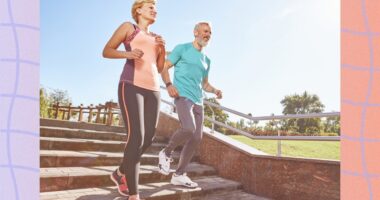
(141, 72)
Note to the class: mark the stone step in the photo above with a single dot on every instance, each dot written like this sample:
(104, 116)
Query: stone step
(75, 144)
(50, 158)
(59, 132)
(81, 125)
(53, 179)
(150, 191)
(235, 194)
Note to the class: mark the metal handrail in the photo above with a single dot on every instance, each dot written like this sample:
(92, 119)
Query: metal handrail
(305, 138)
(213, 118)
(213, 115)
(272, 117)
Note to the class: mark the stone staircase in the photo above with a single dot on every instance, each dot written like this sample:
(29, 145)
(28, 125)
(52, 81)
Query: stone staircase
(76, 160)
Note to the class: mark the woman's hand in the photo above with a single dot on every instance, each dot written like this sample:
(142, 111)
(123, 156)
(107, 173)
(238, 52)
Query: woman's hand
(160, 41)
(135, 54)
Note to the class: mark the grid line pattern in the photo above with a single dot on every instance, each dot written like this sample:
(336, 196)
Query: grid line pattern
(360, 139)
(19, 176)
(366, 183)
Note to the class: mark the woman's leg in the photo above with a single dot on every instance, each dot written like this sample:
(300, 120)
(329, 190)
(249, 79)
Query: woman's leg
(132, 106)
(151, 114)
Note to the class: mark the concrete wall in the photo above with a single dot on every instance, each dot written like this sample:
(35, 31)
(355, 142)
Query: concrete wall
(268, 176)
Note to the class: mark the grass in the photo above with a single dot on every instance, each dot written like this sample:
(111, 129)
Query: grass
(307, 149)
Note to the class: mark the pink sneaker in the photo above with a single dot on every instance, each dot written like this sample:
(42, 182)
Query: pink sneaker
(121, 183)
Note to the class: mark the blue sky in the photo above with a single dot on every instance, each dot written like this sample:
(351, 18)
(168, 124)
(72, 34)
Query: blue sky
(261, 50)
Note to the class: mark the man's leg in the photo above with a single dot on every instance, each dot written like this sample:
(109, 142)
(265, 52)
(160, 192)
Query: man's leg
(192, 144)
(180, 177)
(182, 135)
(187, 121)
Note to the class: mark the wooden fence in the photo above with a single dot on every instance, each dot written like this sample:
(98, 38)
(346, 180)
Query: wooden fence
(108, 114)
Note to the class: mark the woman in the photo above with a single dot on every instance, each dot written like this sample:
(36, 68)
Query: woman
(139, 95)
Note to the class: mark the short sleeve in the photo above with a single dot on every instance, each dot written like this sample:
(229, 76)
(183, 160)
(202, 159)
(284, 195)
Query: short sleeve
(175, 55)
(208, 68)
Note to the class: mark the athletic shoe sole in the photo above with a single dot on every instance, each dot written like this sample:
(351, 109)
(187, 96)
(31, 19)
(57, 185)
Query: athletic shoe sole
(181, 184)
(118, 188)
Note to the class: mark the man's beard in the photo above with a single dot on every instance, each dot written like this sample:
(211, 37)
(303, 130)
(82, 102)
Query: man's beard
(201, 42)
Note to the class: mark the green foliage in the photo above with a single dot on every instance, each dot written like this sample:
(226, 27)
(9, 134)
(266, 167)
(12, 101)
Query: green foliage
(293, 104)
(332, 125)
(302, 104)
(47, 99)
(60, 96)
(219, 114)
(44, 104)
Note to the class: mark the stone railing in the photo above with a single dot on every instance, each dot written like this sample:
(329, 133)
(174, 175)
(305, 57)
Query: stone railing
(264, 175)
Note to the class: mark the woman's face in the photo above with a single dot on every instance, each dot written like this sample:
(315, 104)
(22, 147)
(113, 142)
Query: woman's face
(148, 11)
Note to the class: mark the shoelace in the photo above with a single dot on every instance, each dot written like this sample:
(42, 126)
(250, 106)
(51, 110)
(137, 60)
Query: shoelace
(188, 180)
(170, 159)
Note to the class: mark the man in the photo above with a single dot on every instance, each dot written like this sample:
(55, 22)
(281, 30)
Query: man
(190, 77)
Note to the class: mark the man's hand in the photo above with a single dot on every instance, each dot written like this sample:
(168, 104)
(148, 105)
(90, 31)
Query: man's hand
(172, 91)
(218, 94)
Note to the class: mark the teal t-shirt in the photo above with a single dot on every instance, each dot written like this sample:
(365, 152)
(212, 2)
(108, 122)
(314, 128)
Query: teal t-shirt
(191, 66)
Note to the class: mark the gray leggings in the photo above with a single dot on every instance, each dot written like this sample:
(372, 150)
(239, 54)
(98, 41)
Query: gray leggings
(140, 108)
(191, 119)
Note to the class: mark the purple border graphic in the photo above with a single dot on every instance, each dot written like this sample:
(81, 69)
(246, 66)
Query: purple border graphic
(19, 99)
(362, 140)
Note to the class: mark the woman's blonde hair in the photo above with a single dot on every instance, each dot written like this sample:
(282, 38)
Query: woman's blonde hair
(138, 4)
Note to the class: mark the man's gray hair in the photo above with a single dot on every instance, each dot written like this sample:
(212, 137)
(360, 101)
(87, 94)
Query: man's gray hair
(201, 23)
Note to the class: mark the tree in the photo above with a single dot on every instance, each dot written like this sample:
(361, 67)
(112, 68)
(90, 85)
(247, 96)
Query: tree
(220, 116)
(252, 123)
(60, 96)
(47, 99)
(241, 124)
(271, 126)
(302, 104)
(44, 104)
(332, 125)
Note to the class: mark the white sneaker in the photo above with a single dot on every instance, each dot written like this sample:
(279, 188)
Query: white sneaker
(183, 180)
(164, 163)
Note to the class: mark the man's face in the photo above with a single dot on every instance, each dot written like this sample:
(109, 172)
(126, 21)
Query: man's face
(203, 35)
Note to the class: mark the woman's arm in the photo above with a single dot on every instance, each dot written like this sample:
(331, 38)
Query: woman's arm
(161, 53)
(161, 58)
(110, 50)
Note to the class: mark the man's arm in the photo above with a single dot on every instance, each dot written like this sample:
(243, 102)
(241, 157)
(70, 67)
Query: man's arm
(165, 72)
(209, 88)
(166, 78)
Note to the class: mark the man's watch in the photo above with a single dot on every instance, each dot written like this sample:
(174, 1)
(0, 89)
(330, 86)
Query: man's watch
(168, 84)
